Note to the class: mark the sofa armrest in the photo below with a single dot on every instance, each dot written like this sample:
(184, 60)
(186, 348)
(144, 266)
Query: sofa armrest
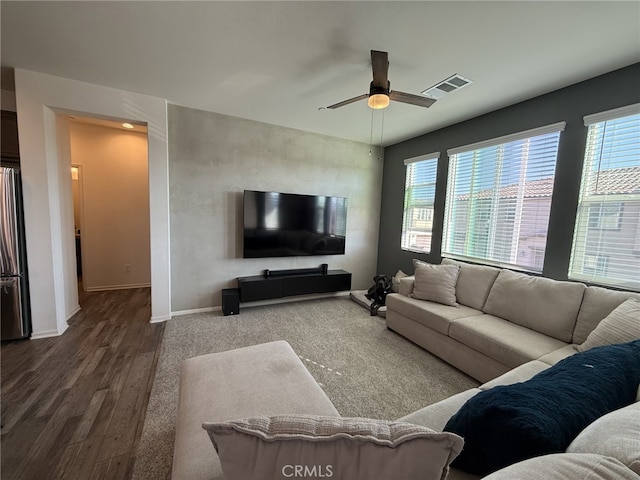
(406, 285)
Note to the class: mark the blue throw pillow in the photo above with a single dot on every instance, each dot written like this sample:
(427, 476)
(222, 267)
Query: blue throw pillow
(507, 424)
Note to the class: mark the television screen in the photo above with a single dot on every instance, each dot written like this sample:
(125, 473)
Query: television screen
(288, 224)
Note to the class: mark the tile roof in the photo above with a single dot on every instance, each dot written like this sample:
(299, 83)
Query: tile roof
(613, 181)
(616, 180)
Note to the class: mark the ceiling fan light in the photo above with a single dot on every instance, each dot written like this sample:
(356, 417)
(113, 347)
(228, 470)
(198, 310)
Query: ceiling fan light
(378, 101)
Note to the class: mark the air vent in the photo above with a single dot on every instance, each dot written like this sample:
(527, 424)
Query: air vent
(440, 89)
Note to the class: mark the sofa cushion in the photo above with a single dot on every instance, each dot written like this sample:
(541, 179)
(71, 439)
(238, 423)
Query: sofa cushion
(344, 448)
(433, 315)
(420, 263)
(506, 342)
(474, 282)
(597, 303)
(566, 466)
(560, 354)
(510, 423)
(616, 434)
(436, 415)
(395, 281)
(541, 304)
(436, 283)
(621, 325)
(519, 374)
(405, 285)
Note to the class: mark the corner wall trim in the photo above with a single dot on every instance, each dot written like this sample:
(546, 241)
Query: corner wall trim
(160, 319)
(44, 334)
(74, 310)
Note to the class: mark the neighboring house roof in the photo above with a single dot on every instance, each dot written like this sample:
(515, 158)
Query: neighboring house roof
(613, 181)
(616, 180)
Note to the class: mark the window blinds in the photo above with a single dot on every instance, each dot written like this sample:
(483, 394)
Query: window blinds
(419, 194)
(606, 242)
(499, 197)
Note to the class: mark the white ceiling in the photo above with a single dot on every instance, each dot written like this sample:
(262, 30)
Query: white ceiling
(278, 62)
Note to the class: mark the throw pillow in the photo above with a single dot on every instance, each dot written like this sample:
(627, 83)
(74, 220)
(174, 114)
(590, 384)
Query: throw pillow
(510, 423)
(436, 283)
(396, 280)
(621, 325)
(284, 446)
(616, 434)
(419, 263)
(566, 466)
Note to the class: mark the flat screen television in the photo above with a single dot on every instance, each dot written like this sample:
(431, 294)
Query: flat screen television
(288, 224)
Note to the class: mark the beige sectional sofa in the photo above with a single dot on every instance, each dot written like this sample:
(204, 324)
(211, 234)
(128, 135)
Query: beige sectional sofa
(507, 328)
(503, 318)
(602, 438)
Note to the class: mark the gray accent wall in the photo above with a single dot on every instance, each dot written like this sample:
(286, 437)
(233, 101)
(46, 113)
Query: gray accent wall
(213, 158)
(570, 104)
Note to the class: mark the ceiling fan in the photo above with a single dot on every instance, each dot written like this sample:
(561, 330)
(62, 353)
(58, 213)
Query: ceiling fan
(379, 90)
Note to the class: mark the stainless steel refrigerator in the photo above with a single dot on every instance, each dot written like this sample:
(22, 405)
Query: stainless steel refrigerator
(15, 317)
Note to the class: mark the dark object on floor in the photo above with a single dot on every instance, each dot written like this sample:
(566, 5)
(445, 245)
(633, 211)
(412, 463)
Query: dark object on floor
(510, 423)
(360, 297)
(377, 293)
(230, 301)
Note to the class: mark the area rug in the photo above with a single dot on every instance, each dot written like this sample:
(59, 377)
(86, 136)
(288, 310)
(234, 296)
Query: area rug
(365, 369)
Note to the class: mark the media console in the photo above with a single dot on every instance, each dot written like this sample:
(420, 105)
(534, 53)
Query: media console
(285, 283)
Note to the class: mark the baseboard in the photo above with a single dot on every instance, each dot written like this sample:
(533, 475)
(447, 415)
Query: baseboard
(297, 298)
(116, 287)
(75, 310)
(196, 310)
(44, 334)
(160, 319)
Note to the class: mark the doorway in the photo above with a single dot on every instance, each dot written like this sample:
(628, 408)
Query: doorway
(111, 215)
(48, 216)
(76, 190)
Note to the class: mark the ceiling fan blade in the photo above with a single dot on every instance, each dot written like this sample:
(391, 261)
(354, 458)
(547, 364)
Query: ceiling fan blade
(412, 99)
(347, 102)
(380, 67)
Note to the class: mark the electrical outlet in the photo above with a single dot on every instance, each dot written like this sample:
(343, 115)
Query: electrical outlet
(127, 268)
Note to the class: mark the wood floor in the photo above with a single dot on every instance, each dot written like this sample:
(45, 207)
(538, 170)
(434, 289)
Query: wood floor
(73, 406)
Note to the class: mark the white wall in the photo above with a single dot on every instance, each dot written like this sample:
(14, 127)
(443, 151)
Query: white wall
(115, 188)
(47, 195)
(66, 262)
(214, 158)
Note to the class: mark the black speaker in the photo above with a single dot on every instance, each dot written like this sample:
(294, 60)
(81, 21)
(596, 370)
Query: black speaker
(230, 301)
(324, 268)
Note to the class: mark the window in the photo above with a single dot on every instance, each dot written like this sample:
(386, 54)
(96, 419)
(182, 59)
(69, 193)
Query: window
(424, 214)
(605, 241)
(419, 193)
(499, 197)
(595, 265)
(605, 216)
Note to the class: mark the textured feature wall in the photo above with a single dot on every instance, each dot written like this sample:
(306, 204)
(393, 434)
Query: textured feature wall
(213, 158)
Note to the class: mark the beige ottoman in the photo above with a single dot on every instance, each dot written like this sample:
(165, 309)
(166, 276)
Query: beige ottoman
(265, 379)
